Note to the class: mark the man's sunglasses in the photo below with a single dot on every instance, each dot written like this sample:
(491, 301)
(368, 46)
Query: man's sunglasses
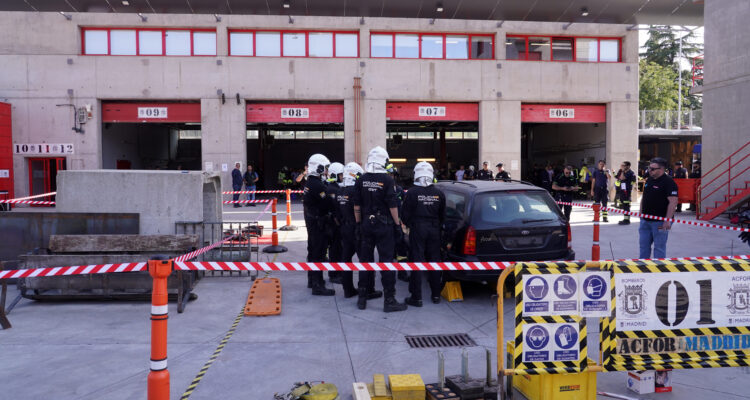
(654, 169)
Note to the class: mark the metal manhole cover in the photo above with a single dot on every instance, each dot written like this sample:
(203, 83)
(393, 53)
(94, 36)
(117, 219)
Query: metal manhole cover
(430, 341)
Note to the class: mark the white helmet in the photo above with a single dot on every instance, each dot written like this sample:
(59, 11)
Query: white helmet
(334, 170)
(423, 174)
(316, 165)
(351, 172)
(377, 160)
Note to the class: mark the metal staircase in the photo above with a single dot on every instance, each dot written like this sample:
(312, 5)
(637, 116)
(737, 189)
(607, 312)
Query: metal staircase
(729, 176)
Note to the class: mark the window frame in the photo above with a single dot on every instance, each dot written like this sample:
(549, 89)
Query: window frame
(281, 33)
(163, 31)
(443, 35)
(551, 38)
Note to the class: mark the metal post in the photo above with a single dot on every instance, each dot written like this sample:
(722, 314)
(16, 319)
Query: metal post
(679, 91)
(595, 246)
(158, 378)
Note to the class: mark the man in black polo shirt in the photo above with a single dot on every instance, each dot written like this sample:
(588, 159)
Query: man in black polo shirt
(659, 199)
(600, 187)
(564, 186)
(485, 174)
(626, 177)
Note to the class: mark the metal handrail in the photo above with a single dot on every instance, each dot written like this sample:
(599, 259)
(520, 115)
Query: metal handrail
(728, 171)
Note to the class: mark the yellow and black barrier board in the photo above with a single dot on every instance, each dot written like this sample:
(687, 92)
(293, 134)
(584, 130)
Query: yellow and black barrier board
(548, 344)
(678, 314)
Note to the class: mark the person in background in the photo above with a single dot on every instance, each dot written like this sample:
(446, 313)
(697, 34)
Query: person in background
(695, 174)
(565, 185)
(460, 173)
(236, 183)
(626, 178)
(680, 173)
(317, 207)
(485, 174)
(600, 187)
(501, 173)
(548, 175)
(333, 220)
(470, 175)
(250, 178)
(424, 212)
(584, 178)
(660, 200)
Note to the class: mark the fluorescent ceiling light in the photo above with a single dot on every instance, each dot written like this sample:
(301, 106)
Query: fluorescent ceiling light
(397, 160)
(584, 12)
(286, 4)
(439, 7)
(125, 2)
(425, 159)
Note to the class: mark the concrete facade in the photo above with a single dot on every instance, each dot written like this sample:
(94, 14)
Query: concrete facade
(160, 197)
(726, 90)
(44, 67)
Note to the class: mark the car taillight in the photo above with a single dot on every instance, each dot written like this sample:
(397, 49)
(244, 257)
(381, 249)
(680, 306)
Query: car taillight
(470, 242)
(570, 237)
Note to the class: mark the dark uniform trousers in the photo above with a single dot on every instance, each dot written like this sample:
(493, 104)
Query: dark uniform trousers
(316, 247)
(625, 203)
(349, 247)
(566, 209)
(334, 245)
(424, 245)
(601, 196)
(376, 233)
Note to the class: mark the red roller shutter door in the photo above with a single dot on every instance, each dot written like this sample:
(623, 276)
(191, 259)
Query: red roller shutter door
(564, 113)
(295, 113)
(151, 112)
(396, 111)
(6, 151)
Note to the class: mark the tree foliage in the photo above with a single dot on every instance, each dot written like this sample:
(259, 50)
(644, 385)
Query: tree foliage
(657, 87)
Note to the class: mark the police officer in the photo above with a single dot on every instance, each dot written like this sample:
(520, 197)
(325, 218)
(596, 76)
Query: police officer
(501, 173)
(680, 172)
(424, 212)
(375, 209)
(627, 179)
(565, 185)
(333, 221)
(401, 248)
(485, 174)
(599, 187)
(317, 206)
(350, 240)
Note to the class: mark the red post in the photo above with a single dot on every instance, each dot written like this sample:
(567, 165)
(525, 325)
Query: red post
(595, 246)
(158, 378)
(274, 247)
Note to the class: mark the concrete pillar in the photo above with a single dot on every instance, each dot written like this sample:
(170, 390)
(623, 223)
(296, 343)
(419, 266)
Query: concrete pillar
(500, 135)
(622, 134)
(349, 130)
(373, 127)
(223, 138)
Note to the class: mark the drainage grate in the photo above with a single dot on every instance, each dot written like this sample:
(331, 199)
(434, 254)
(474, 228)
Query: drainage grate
(428, 341)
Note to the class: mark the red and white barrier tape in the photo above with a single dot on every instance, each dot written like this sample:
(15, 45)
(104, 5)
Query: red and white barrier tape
(196, 253)
(640, 215)
(246, 201)
(76, 270)
(261, 192)
(34, 202)
(29, 197)
(302, 266)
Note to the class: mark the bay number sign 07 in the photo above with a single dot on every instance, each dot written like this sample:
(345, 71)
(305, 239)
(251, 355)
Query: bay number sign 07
(425, 111)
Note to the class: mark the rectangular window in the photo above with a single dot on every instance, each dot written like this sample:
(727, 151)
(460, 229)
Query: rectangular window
(587, 49)
(96, 42)
(609, 50)
(252, 134)
(454, 135)
(122, 42)
(309, 135)
(381, 45)
(268, 44)
(204, 43)
(471, 135)
(539, 49)
(432, 46)
(481, 47)
(241, 44)
(282, 134)
(150, 43)
(456, 47)
(188, 135)
(333, 134)
(294, 44)
(321, 44)
(178, 43)
(347, 45)
(407, 46)
(562, 49)
(515, 48)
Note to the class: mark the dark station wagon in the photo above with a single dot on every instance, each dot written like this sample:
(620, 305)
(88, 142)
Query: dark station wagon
(502, 221)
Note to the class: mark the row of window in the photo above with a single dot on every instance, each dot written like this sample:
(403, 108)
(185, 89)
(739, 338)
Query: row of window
(255, 43)
(545, 48)
(433, 135)
(288, 135)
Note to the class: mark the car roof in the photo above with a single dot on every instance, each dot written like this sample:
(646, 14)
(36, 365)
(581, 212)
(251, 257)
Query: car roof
(487, 186)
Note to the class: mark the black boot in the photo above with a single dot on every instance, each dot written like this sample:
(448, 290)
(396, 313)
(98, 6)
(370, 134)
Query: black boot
(362, 300)
(390, 304)
(320, 290)
(413, 302)
(349, 293)
(374, 294)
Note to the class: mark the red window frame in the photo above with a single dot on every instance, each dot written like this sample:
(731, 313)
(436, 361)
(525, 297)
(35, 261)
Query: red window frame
(137, 41)
(444, 36)
(281, 41)
(574, 38)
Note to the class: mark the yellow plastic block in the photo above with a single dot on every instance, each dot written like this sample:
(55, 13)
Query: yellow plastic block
(579, 386)
(452, 291)
(407, 387)
(373, 396)
(378, 384)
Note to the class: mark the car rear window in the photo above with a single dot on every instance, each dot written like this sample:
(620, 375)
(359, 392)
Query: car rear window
(455, 204)
(515, 207)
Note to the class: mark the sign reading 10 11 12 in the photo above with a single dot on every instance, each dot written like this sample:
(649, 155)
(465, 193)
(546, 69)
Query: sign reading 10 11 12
(681, 300)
